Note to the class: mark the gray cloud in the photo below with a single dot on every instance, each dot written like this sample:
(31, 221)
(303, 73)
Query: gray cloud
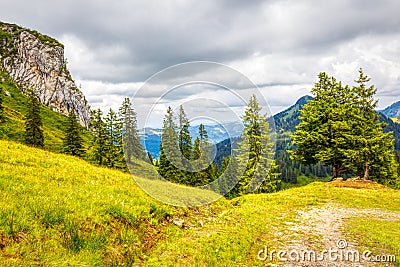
(280, 45)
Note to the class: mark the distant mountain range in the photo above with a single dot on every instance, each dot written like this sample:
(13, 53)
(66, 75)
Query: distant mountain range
(150, 137)
(392, 111)
(285, 122)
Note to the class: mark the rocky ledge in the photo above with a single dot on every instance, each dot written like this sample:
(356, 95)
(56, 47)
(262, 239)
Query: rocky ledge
(36, 61)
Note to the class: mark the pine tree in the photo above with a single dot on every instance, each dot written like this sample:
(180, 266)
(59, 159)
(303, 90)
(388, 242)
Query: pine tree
(205, 172)
(115, 157)
(73, 141)
(372, 152)
(101, 141)
(341, 128)
(170, 165)
(33, 122)
(185, 145)
(130, 136)
(255, 153)
(185, 140)
(325, 121)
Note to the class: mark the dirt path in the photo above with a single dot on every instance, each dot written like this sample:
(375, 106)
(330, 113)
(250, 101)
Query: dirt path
(320, 228)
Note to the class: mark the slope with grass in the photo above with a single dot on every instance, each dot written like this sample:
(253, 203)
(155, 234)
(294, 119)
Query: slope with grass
(15, 107)
(57, 210)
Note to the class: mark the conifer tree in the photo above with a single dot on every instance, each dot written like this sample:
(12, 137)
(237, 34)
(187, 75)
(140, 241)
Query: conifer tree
(170, 163)
(372, 154)
(115, 157)
(130, 136)
(341, 128)
(101, 141)
(325, 121)
(255, 153)
(33, 122)
(185, 146)
(205, 171)
(185, 140)
(73, 141)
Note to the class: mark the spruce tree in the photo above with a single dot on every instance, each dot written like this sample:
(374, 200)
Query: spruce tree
(325, 122)
(341, 128)
(185, 140)
(185, 145)
(73, 141)
(101, 141)
(170, 164)
(205, 172)
(255, 153)
(33, 122)
(372, 153)
(115, 157)
(130, 136)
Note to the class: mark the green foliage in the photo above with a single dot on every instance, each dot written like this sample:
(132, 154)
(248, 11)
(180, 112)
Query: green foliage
(100, 145)
(255, 154)
(180, 160)
(130, 137)
(185, 140)
(371, 153)
(320, 136)
(73, 141)
(206, 171)
(185, 147)
(33, 122)
(340, 127)
(170, 160)
(113, 126)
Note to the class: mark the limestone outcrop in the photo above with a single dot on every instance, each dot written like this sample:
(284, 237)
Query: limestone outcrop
(36, 61)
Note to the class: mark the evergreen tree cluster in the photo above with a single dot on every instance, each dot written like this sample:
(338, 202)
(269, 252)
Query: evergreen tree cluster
(112, 135)
(251, 168)
(115, 138)
(340, 128)
(291, 169)
(181, 160)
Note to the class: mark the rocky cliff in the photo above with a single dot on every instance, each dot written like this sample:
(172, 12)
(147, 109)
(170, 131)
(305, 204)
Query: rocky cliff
(36, 61)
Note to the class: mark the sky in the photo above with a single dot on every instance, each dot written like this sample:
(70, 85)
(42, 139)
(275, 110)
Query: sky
(114, 47)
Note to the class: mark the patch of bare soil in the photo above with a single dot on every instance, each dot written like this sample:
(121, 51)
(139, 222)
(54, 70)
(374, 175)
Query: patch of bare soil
(319, 229)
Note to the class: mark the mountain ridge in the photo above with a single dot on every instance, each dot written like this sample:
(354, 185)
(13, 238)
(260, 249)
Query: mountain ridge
(392, 111)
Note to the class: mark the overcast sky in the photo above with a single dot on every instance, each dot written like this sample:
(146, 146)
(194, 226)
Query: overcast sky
(112, 47)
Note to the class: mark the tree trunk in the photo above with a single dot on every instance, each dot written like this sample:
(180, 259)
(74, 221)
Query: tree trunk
(334, 171)
(366, 172)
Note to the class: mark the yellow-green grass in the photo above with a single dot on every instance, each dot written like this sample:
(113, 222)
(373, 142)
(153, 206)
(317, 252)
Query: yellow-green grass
(15, 108)
(247, 224)
(57, 210)
(380, 237)
(303, 180)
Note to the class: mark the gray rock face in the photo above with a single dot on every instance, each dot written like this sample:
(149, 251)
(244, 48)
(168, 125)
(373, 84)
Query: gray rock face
(37, 62)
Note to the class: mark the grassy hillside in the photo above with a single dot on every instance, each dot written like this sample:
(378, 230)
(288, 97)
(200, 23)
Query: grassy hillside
(15, 107)
(58, 210)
